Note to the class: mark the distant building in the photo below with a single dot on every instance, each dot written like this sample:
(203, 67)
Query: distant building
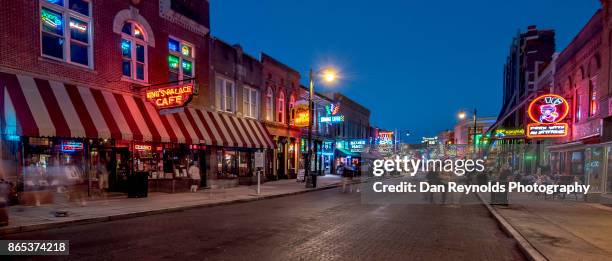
(447, 137)
(530, 52)
(464, 129)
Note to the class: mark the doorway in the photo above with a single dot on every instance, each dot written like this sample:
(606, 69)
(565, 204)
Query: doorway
(119, 170)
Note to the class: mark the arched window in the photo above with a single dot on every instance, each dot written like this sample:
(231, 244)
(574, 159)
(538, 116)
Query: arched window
(281, 107)
(134, 52)
(593, 106)
(269, 105)
(291, 105)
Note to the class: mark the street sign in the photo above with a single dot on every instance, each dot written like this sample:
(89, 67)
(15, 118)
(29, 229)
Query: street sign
(259, 159)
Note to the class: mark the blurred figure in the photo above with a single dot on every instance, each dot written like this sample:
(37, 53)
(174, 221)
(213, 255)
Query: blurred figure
(102, 174)
(347, 178)
(194, 174)
(74, 184)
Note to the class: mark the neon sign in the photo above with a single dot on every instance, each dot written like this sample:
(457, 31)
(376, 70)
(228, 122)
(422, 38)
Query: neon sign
(301, 116)
(332, 109)
(332, 119)
(71, 146)
(332, 114)
(357, 145)
(79, 26)
(510, 132)
(170, 97)
(142, 147)
(547, 111)
(385, 137)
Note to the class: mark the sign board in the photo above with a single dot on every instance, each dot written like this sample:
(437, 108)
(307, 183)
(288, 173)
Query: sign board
(301, 116)
(333, 114)
(71, 146)
(555, 130)
(508, 133)
(259, 159)
(357, 145)
(170, 97)
(547, 111)
(143, 147)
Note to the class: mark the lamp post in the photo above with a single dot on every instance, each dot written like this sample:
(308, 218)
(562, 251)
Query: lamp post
(462, 116)
(329, 75)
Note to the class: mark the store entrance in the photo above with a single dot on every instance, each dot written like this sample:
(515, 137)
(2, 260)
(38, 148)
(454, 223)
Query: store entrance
(280, 162)
(119, 170)
(202, 164)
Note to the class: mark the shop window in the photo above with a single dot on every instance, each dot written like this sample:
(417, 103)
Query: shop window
(609, 170)
(281, 108)
(594, 168)
(226, 164)
(180, 59)
(250, 100)
(224, 93)
(66, 31)
(134, 52)
(269, 105)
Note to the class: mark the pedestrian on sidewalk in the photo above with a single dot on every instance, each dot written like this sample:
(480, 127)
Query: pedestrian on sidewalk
(347, 178)
(194, 174)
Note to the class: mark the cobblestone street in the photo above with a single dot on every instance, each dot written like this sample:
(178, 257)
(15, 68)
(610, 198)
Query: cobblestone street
(323, 225)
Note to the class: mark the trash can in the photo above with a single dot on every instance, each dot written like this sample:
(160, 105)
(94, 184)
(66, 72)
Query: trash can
(311, 181)
(500, 198)
(138, 185)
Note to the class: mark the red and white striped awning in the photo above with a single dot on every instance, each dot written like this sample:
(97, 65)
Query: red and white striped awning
(44, 108)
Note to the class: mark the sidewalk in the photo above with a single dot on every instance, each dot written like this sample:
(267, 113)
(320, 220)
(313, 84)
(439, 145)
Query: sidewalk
(562, 229)
(25, 218)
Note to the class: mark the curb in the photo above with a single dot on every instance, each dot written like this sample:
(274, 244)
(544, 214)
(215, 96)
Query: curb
(29, 228)
(527, 248)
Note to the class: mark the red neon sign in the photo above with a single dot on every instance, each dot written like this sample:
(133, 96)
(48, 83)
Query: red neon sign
(547, 111)
(548, 108)
(170, 97)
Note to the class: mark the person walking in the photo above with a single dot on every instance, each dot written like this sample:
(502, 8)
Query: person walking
(194, 174)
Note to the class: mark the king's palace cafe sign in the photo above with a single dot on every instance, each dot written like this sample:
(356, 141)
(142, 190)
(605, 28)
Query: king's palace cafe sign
(170, 97)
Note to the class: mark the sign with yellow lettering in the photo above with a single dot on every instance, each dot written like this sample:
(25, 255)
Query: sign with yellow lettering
(170, 97)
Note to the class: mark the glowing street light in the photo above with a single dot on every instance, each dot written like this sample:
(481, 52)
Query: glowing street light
(329, 75)
(461, 115)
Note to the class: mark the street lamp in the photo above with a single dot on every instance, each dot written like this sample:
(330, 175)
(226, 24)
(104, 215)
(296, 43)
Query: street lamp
(462, 115)
(329, 75)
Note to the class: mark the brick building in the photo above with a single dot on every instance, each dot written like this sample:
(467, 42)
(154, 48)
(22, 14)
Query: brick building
(281, 93)
(237, 78)
(122, 85)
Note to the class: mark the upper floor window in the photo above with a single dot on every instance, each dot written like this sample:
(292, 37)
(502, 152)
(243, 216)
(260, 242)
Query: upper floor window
(578, 106)
(269, 105)
(281, 108)
(180, 59)
(66, 31)
(134, 52)
(291, 105)
(593, 106)
(250, 102)
(224, 93)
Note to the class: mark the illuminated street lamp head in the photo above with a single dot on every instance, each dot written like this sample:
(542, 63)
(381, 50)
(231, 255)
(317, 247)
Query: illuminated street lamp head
(329, 75)
(461, 115)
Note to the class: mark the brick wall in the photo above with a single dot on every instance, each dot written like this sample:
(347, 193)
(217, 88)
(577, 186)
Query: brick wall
(20, 49)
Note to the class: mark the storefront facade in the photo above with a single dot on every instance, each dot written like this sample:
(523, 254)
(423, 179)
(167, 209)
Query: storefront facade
(97, 139)
(280, 93)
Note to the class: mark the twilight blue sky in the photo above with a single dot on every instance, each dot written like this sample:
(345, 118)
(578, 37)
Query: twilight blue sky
(413, 63)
